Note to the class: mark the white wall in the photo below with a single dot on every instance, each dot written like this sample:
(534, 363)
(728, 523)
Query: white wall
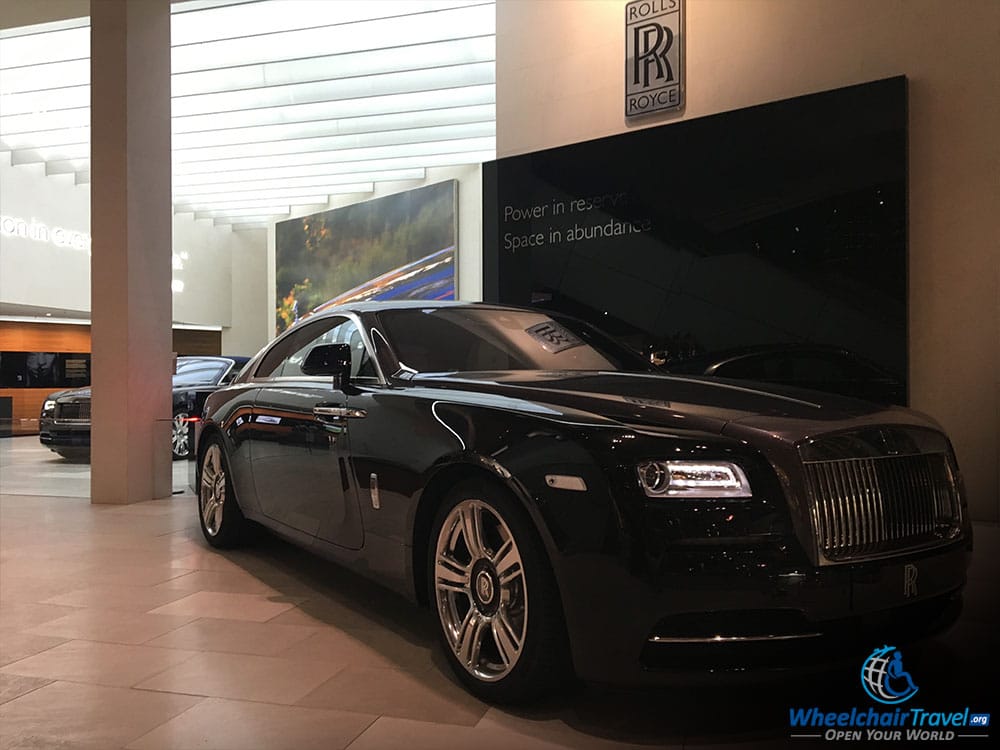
(470, 227)
(560, 79)
(37, 271)
(250, 318)
(224, 273)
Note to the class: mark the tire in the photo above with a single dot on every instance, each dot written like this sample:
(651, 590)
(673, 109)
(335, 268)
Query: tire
(496, 599)
(180, 436)
(219, 514)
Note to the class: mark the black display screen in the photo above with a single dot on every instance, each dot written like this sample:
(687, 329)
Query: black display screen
(44, 370)
(776, 227)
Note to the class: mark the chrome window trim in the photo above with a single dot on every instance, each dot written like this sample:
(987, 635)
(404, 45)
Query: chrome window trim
(380, 379)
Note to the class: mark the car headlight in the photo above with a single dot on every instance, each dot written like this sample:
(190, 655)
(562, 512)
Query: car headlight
(693, 479)
(49, 407)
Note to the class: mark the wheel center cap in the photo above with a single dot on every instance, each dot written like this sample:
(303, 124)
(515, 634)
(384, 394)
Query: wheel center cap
(484, 587)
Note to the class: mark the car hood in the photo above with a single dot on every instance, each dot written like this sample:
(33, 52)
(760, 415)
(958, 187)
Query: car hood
(676, 402)
(73, 394)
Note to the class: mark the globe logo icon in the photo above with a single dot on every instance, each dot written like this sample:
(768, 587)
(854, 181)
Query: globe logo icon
(883, 676)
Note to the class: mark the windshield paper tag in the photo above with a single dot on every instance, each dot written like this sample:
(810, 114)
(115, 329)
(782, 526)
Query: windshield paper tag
(553, 337)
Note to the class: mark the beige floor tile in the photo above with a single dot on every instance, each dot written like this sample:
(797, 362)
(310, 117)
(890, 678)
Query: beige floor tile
(86, 716)
(111, 664)
(590, 731)
(391, 732)
(124, 575)
(111, 626)
(26, 615)
(216, 724)
(322, 611)
(253, 607)
(15, 685)
(16, 645)
(234, 582)
(428, 696)
(128, 598)
(31, 589)
(241, 677)
(373, 648)
(234, 636)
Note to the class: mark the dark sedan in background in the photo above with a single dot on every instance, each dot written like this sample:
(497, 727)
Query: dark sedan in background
(64, 424)
(562, 508)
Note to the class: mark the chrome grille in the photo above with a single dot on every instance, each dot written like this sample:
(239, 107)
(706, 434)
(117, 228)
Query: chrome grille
(871, 506)
(73, 410)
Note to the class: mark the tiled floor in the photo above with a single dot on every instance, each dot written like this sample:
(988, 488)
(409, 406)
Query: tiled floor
(121, 628)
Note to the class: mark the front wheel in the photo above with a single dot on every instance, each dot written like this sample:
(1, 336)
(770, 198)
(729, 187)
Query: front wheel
(222, 521)
(495, 597)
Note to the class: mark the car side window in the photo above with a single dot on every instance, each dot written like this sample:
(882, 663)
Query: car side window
(286, 358)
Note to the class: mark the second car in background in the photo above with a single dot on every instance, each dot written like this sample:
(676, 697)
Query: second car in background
(64, 424)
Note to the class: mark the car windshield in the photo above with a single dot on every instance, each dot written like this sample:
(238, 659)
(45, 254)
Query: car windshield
(462, 339)
(191, 372)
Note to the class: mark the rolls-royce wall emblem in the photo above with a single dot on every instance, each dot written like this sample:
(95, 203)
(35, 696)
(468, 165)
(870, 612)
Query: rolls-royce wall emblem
(654, 56)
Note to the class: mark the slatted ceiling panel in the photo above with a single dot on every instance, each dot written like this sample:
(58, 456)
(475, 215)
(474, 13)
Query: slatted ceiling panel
(306, 99)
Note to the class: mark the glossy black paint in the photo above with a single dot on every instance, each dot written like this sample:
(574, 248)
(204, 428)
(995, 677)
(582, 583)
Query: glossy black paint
(71, 438)
(628, 566)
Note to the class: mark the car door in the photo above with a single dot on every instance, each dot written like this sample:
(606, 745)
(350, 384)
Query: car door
(299, 441)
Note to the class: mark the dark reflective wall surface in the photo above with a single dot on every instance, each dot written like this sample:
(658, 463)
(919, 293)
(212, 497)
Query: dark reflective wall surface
(781, 224)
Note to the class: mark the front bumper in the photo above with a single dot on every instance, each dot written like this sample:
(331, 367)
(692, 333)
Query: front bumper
(56, 435)
(726, 614)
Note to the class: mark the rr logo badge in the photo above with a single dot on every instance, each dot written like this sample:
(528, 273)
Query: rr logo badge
(909, 581)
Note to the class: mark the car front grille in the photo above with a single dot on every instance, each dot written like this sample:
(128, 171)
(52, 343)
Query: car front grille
(77, 411)
(864, 507)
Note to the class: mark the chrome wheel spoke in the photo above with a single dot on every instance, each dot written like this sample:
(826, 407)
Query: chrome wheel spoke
(451, 575)
(472, 531)
(508, 562)
(470, 638)
(507, 640)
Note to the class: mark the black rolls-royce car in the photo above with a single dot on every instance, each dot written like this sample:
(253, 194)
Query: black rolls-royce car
(560, 507)
(64, 424)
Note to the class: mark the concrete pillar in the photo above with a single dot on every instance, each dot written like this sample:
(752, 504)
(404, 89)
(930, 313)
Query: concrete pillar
(131, 220)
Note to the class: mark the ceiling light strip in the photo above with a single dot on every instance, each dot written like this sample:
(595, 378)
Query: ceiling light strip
(338, 143)
(319, 40)
(348, 155)
(410, 57)
(347, 126)
(331, 183)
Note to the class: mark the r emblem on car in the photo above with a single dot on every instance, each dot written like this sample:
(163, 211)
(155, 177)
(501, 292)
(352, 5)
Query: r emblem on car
(484, 586)
(910, 573)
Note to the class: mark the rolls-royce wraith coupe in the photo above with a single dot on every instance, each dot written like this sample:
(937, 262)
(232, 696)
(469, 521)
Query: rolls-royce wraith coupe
(64, 424)
(563, 509)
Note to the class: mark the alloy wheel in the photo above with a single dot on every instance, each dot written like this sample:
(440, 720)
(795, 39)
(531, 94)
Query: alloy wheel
(212, 495)
(180, 434)
(481, 590)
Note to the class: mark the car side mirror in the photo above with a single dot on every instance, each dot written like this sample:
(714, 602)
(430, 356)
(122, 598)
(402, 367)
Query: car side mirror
(329, 359)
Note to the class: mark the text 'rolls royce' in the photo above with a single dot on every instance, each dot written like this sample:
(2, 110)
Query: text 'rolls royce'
(563, 509)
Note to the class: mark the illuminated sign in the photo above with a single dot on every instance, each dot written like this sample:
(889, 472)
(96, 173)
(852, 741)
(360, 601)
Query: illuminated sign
(14, 226)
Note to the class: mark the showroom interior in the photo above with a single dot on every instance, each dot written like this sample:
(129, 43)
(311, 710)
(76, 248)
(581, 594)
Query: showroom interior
(156, 158)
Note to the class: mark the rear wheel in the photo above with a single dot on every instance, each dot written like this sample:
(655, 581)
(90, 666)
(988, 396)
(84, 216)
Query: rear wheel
(180, 436)
(222, 521)
(495, 597)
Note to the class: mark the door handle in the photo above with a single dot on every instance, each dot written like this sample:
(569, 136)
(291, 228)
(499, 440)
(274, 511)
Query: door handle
(338, 412)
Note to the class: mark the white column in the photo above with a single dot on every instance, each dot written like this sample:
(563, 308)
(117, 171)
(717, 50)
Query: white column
(130, 265)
